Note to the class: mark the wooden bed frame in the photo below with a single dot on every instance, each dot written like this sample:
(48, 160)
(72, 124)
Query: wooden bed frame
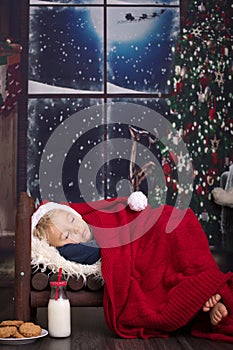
(32, 290)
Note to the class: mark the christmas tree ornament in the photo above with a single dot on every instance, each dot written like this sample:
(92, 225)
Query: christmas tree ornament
(205, 216)
(215, 143)
(219, 78)
(211, 45)
(201, 96)
(196, 32)
(207, 93)
(201, 7)
(183, 72)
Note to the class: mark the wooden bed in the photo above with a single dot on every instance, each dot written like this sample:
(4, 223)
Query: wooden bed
(32, 290)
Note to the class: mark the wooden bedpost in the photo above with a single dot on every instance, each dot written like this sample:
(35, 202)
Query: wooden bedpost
(22, 309)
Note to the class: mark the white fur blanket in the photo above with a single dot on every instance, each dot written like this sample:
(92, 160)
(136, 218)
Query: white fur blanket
(44, 256)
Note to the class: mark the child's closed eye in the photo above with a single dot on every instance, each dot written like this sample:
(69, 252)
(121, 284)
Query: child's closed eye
(70, 218)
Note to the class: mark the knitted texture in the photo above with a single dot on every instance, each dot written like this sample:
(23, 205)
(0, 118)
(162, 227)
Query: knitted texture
(158, 282)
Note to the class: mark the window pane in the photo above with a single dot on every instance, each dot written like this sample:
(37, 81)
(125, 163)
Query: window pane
(140, 44)
(109, 2)
(134, 151)
(65, 51)
(145, 2)
(66, 149)
(67, 2)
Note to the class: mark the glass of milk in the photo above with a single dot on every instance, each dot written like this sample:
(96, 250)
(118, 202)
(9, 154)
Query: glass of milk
(59, 315)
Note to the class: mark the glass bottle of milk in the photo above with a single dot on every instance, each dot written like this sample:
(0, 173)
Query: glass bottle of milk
(59, 315)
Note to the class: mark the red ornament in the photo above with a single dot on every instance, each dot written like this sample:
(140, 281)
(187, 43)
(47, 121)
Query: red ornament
(175, 186)
(173, 93)
(199, 189)
(204, 81)
(179, 86)
(224, 17)
(166, 168)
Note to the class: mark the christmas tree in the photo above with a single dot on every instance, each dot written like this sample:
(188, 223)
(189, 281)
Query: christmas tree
(201, 104)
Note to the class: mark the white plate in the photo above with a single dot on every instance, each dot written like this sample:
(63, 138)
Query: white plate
(21, 341)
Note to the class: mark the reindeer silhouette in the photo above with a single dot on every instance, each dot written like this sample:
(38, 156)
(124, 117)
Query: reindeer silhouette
(136, 176)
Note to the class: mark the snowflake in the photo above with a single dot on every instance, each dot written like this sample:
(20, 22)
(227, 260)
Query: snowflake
(196, 32)
(219, 78)
(181, 161)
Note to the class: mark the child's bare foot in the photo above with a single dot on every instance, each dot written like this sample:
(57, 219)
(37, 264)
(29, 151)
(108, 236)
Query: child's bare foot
(217, 312)
(211, 302)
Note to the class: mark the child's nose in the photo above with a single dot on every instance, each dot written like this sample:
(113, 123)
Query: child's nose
(77, 231)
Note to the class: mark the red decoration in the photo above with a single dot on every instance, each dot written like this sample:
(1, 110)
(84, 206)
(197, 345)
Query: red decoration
(175, 186)
(13, 84)
(212, 113)
(199, 190)
(166, 168)
(179, 86)
(214, 158)
(224, 16)
(204, 81)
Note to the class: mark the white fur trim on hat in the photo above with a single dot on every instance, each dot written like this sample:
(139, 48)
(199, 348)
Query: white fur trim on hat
(45, 208)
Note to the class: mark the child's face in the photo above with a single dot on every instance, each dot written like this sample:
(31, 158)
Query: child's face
(68, 228)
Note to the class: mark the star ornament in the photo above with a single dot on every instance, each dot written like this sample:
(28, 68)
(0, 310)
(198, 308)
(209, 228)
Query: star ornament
(219, 78)
(196, 32)
(214, 143)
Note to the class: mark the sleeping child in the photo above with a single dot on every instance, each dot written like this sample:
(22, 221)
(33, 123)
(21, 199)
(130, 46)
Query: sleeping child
(162, 271)
(64, 228)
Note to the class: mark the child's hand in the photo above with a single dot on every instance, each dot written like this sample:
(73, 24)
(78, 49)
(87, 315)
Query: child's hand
(137, 201)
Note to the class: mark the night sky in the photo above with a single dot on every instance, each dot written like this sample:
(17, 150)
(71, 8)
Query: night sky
(67, 49)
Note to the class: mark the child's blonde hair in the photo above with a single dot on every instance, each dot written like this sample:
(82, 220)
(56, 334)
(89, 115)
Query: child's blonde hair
(44, 226)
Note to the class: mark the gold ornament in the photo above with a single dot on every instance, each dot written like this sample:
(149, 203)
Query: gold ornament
(214, 143)
(219, 78)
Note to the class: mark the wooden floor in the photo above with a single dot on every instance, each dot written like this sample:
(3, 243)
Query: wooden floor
(89, 332)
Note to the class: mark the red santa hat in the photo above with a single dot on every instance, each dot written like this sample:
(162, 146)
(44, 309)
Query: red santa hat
(45, 208)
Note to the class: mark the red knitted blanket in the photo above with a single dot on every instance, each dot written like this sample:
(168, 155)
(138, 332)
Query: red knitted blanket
(158, 282)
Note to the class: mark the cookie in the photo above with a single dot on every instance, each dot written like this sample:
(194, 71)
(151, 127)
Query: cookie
(29, 329)
(16, 323)
(7, 331)
(18, 335)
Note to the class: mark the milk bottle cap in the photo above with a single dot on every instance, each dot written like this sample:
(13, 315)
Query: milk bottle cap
(58, 283)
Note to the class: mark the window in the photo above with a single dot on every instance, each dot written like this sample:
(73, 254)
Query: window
(88, 60)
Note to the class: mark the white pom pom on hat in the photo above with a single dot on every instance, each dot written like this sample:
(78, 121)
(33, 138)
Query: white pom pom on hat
(137, 201)
(45, 208)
